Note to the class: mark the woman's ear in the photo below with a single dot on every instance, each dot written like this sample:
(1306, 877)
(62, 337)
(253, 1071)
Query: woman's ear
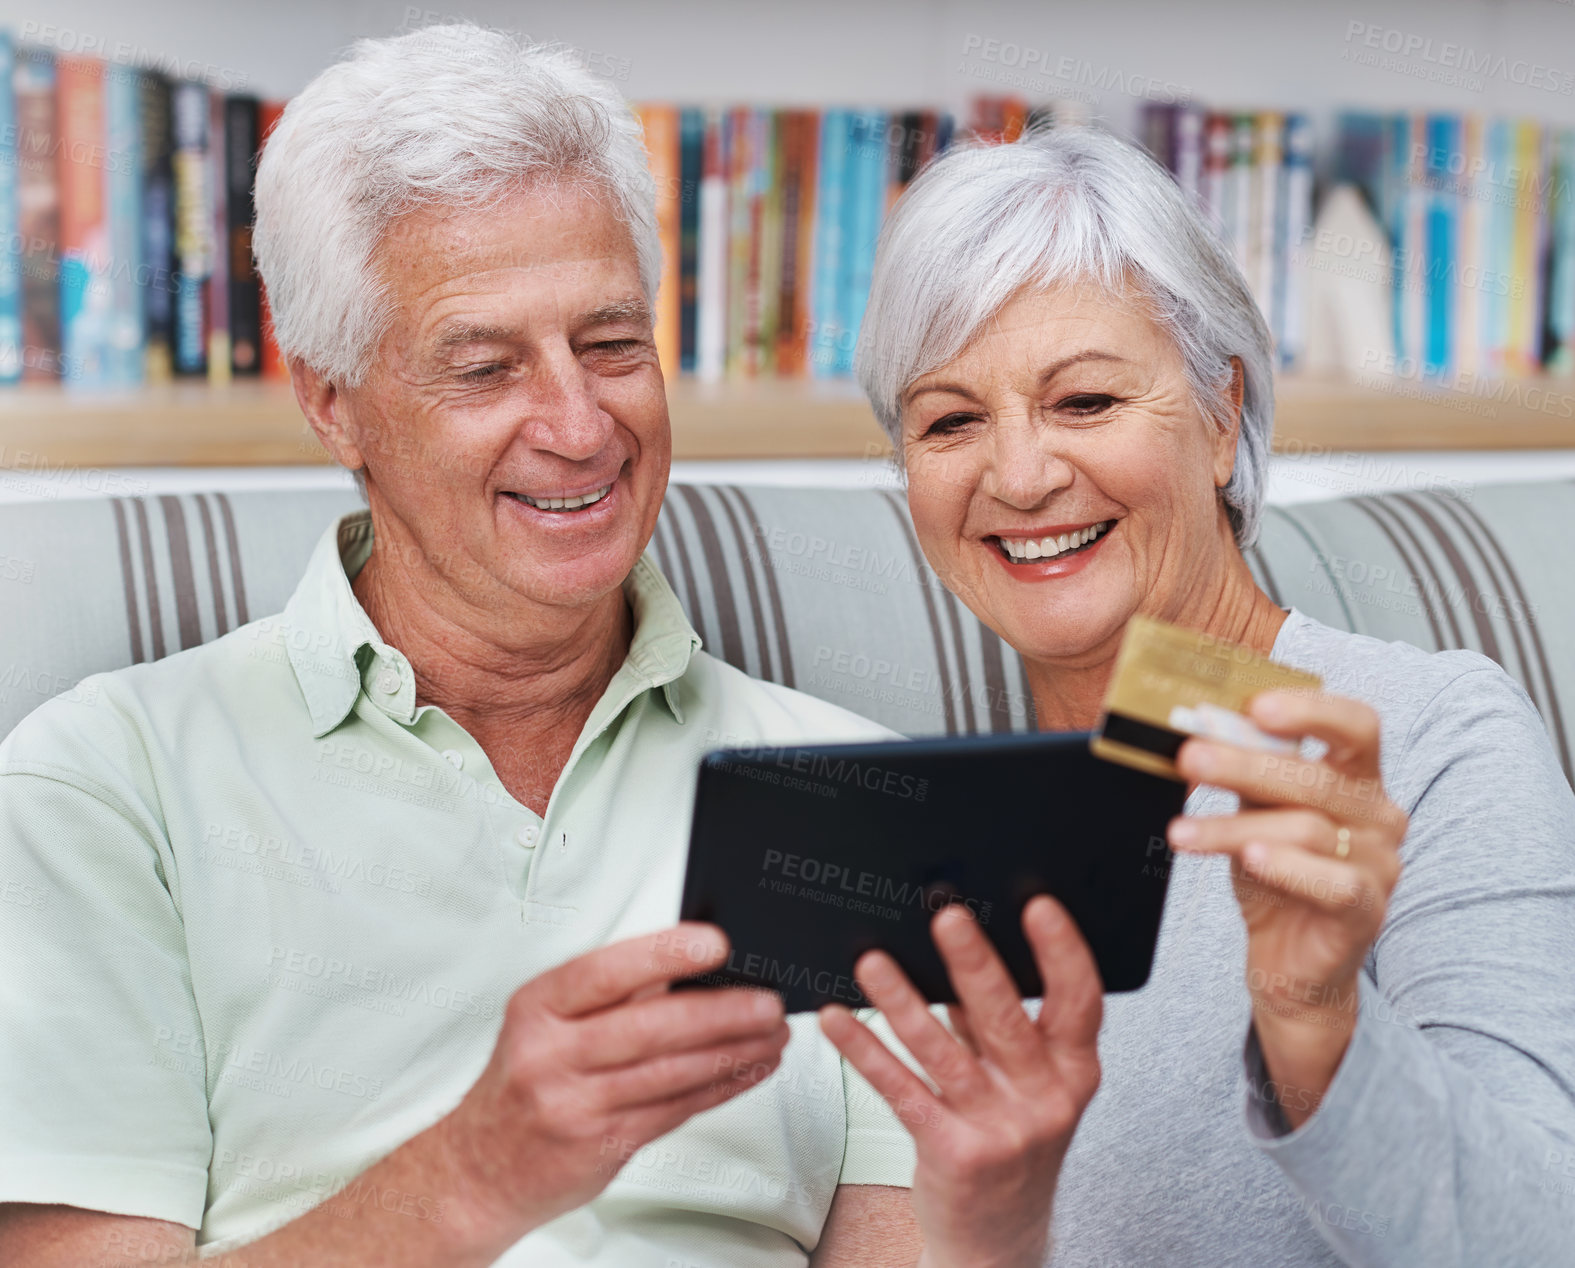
(1229, 428)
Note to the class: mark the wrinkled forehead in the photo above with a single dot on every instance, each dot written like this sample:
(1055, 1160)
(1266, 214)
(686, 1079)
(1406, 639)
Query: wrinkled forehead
(557, 243)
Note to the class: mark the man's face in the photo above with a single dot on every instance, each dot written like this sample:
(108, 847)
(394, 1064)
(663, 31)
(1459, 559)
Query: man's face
(518, 371)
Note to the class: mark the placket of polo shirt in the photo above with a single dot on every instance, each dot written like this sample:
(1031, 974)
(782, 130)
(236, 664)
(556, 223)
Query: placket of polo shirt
(520, 831)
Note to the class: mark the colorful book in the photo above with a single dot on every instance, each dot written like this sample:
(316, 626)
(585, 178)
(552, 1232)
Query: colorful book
(155, 154)
(1561, 246)
(240, 153)
(661, 147)
(84, 228)
(125, 334)
(740, 190)
(273, 363)
(38, 212)
(712, 265)
(1294, 229)
(831, 195)
(10, 222)
(691, 154)
(193, 227)
(219, 227)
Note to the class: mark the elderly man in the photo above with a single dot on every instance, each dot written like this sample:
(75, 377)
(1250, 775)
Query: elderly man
(426, 1022)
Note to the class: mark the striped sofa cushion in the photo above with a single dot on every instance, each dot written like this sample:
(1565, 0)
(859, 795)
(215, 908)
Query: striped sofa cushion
(822, 590)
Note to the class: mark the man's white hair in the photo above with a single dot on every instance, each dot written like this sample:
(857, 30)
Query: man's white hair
(1066, 204)
(454, 115)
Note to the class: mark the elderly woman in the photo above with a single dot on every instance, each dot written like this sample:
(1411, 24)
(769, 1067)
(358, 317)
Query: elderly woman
(1358, 1044)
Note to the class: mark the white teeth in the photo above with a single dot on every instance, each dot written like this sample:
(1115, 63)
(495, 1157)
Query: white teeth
(566, 504)
(1047, 547)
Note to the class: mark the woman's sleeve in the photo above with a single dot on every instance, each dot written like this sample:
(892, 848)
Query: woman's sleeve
(1448, 1134)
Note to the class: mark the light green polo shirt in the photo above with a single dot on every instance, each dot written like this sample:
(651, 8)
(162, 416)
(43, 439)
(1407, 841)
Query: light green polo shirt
(274, 911)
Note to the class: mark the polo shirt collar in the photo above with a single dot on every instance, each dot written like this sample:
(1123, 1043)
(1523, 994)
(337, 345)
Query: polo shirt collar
(327, 630)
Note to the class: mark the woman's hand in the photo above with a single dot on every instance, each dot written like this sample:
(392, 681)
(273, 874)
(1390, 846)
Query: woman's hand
(1314, 856)
(1011, 1088)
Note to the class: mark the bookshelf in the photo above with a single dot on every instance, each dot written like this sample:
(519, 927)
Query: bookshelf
(258, 423)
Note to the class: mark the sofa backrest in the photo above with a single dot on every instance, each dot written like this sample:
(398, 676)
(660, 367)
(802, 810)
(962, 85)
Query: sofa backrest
(822, 590)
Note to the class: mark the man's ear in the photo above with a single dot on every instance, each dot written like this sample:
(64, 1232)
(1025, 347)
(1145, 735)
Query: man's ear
(1229, 429)
(323, 406)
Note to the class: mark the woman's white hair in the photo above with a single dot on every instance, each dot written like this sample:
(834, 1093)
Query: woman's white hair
(1066, 204)
(452, 115)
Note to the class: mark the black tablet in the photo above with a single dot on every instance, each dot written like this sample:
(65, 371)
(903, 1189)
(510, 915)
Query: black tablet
(809, 856)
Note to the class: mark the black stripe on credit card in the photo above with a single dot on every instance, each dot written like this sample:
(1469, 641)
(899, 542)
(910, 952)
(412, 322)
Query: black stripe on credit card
(1158, 740)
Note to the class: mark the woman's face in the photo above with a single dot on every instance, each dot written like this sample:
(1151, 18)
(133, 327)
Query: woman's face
(1068, 418)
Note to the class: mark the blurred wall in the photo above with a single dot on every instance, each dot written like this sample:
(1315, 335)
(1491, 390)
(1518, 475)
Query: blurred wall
(1508, 56)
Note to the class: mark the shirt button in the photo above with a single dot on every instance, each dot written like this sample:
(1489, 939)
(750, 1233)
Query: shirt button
(454, 758)
(528, 835)
(388, 682)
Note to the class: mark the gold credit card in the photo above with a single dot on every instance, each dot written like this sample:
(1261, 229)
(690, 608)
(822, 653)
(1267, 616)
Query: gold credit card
(1170, 682)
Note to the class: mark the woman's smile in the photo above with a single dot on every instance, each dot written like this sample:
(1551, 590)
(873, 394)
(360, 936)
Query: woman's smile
(1043, 555)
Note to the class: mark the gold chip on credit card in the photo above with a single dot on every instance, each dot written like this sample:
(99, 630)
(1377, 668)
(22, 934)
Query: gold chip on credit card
(1170, 683)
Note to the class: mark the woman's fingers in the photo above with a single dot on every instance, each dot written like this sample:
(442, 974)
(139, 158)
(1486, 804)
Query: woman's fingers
(1349, 727)
(1230, 834)
(998, 1027)
(894, 1082)
(1337, 887)
(955, 1070)
(1074, 1000)
(1278, 779)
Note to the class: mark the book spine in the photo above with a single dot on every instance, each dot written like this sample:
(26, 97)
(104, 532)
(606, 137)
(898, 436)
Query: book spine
(126, 332)
(1239, 225)
(869, 180)
(84, 231)
(1521, 236)
(1189, 152)
(1442, 267)
(825, 291)
(1216, 167)
(1561, 275)
(1413, 277)
(1157, 131)
(219, 227)
(945, 131)
(1296, 221)
(711, 300)
(240, 153)
(1468, 236)
(1265, 249)
(158, 227)
(769, 282)
(10, 222)
(804, 247)
(791, 166)
(273, 363)
(661, 147)
(193, 227)
(740, 176)
(38, 204)
(753, 228)
(1495, 246)
(691, 145)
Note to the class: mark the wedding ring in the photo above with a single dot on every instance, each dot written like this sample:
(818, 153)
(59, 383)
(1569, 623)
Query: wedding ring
(1342, 842)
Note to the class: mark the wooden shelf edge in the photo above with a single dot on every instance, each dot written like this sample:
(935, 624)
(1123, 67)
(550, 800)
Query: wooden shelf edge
(256, 424)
